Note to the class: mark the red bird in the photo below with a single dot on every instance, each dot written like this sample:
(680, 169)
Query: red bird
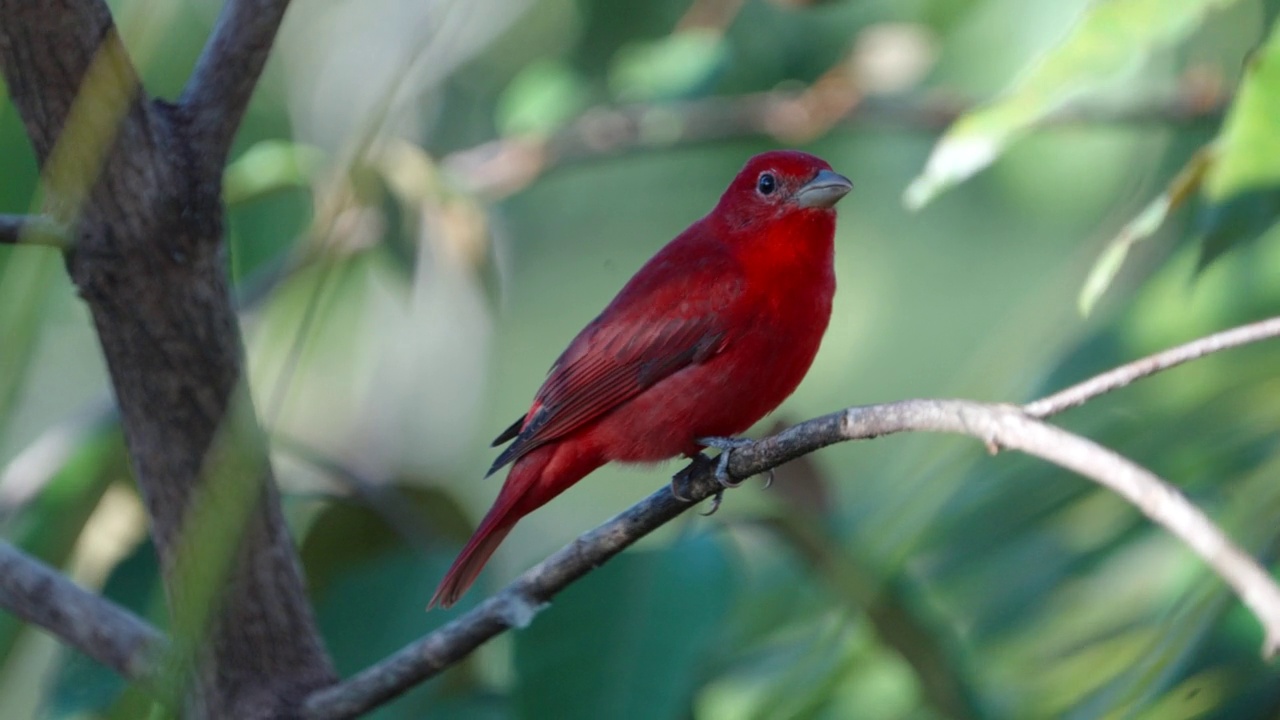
(708, 337)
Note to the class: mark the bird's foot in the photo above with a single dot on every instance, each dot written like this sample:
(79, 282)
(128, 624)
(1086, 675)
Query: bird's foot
(726, 446)
(680, 482)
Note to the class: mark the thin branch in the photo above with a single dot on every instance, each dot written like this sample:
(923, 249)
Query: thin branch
(996, 425)
(1116, 378)
(87, 622)
(227, 72)
(504, 166)
(31, 230)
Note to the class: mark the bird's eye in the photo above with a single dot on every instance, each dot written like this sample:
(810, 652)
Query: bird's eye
(766, 184)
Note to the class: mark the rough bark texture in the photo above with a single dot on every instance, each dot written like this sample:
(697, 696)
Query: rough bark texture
(43, 596)
(149, 261)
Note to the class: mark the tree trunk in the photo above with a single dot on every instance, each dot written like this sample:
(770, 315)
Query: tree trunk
(141, 192)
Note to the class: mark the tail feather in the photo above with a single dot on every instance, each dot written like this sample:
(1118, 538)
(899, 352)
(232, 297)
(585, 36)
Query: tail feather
(515, 500)
(470, 562)
(534, 479)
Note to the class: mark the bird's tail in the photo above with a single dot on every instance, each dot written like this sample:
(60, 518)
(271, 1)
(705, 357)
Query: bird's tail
(532, 482)
(472, 559)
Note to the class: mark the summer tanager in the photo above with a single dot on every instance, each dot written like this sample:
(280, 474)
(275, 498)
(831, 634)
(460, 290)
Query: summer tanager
(708, 337)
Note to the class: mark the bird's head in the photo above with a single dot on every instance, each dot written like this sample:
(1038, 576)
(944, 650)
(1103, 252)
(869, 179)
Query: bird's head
(781, 183)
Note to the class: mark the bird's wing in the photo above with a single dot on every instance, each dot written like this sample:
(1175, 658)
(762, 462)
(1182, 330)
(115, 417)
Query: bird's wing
(659, 324)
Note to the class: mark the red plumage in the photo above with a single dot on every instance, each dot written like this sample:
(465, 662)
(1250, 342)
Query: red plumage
(712, 334)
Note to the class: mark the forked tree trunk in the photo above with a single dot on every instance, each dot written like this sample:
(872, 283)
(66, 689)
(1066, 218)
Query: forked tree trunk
(139, 182)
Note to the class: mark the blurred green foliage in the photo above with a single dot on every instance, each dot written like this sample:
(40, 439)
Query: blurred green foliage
(396, 320)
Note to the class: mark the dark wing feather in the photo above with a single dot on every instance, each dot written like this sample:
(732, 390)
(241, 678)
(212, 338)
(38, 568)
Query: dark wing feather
(613, 365)
(509, 433)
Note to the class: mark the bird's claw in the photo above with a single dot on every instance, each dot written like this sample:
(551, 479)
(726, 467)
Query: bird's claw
(722, 473)
(726, 446)
(675, 491)
(715, 504)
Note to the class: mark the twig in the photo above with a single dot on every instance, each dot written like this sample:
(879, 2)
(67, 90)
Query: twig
(1125, 374)
(92, 624)
(31, 230)
(219, 89)
(501, 167)
(997, 425)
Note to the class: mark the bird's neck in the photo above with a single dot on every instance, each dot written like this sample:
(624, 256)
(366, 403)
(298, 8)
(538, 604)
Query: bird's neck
(798, 247)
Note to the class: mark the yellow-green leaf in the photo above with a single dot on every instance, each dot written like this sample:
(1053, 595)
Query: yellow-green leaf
(672, 67)
(1143, 225)
(1110, 41)
(1243, 186)
(268, 166)
(1249, 145)
(541, 98)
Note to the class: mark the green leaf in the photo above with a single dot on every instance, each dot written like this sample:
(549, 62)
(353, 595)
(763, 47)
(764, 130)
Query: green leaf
(385, 519)
(628, 641)
(1110, 41)
(1249, 145)
(371, 584)
(540, 98)
(1240, 219)
(670, 68)
(1205, 647)
(895, 608)
(1243, 186)
(270, 166)
(1142, 226)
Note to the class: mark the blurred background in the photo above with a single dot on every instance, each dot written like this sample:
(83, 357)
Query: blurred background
(428, 199)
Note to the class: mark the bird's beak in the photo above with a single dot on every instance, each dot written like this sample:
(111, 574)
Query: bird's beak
(823, 191)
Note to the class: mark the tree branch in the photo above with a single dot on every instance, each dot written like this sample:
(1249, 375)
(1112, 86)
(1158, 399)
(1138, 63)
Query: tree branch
(504, 166)
(1119, 377)
(87, 622)
(31, 230)
(996, 425)
(218, 92)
